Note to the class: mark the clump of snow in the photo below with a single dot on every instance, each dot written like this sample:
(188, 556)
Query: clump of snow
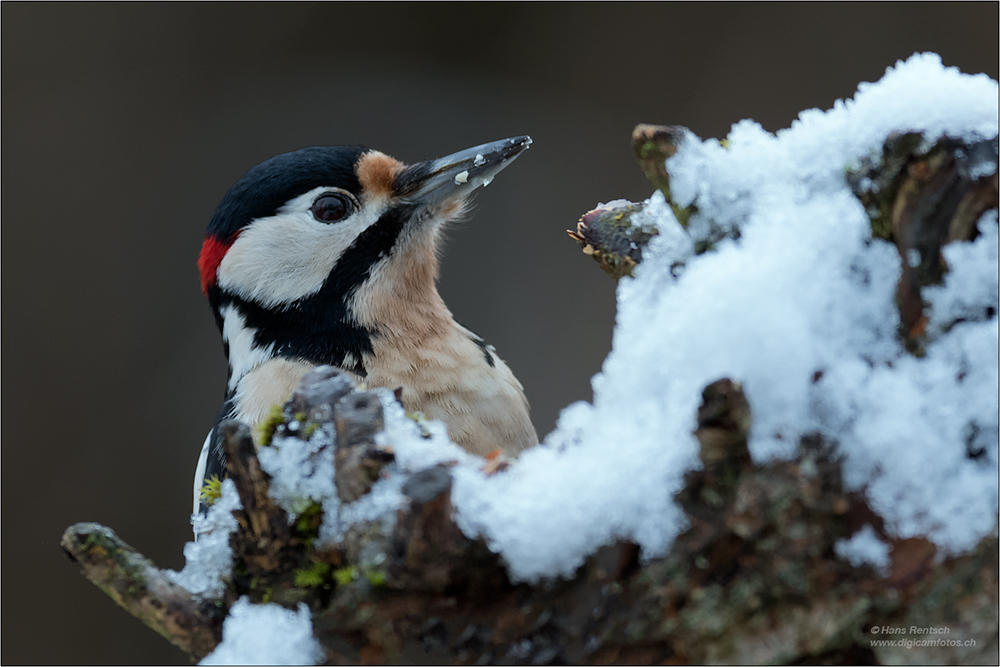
(798, 289)
(966, 293)
(865, 547)
(673, 243)
(208, 559)
(613, 204)
(984, 168)
(301, 471)
(266, 634)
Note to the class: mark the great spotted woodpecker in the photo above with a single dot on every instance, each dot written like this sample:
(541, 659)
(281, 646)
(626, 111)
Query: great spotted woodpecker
(329, 255)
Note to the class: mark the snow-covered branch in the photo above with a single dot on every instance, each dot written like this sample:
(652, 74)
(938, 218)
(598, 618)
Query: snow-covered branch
(792, 447)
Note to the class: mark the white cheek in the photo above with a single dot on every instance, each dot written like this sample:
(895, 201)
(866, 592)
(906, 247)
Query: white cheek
(280, 259)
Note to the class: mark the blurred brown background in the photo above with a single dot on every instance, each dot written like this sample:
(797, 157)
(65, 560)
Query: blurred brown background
(123, 125)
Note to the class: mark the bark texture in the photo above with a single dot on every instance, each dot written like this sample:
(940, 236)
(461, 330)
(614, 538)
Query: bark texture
(131, 580)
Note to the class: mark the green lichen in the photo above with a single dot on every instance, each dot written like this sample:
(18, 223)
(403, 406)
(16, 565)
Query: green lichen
(96, 538)
(421, 421)
(309, 430)
(312, 576)
(621, 217)
(614, 264)
(345, 575)
(308, 522)
(375, 577)
(211, 491)
(267, 427)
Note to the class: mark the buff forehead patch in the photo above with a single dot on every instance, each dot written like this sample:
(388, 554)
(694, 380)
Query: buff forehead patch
(377, 173)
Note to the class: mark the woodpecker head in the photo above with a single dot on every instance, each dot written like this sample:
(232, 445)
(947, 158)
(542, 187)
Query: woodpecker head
(312, 253)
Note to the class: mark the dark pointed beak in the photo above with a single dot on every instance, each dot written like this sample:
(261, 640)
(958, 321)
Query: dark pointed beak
(433, 182)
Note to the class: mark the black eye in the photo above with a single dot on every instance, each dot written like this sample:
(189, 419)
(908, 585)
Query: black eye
(331, 207)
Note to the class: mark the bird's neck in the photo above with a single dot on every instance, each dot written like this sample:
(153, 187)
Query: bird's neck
(400, 300)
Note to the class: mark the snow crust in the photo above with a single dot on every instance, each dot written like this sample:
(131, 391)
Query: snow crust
(865, 547)
(301, 471)
(208, 559)
(266, 634)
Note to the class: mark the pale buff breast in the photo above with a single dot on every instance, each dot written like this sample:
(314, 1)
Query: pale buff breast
(447, 378)
(270, 383)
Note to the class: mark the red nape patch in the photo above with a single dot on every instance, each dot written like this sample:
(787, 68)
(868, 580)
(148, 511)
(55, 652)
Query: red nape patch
(212, 252)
